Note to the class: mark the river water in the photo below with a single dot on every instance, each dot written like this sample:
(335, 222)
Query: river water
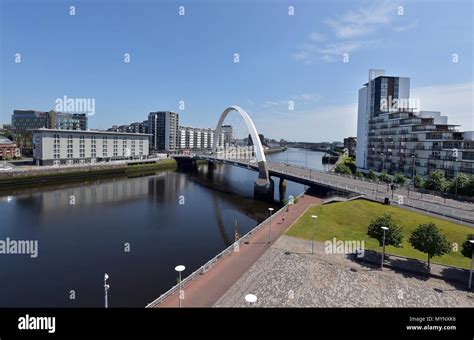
(134, 229)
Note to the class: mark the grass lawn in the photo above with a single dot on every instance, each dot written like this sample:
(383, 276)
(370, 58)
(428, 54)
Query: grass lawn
(349, 221)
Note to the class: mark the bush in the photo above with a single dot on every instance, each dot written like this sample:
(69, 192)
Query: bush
(393, 236)
(400, 179)
(342, 168)
(435, 181)
(417, 181)
(371, 175)
(384, 177)
(467, 247)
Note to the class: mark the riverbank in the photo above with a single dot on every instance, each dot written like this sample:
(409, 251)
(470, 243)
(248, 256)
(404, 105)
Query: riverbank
(275, 150)
(64, 174)
(205, 286)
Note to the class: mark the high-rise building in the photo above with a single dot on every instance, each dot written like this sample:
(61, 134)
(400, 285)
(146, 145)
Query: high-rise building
(195, 138)
(228, 132)
(163, 127)
(393, 138)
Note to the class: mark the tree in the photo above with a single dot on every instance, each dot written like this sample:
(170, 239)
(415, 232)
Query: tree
(467, 247)
(341, 168)
(371, 175)
(400, 178)
(393, 236)
(428, 239)
(458, 185)
(435, 181)
(359, 174)
(384, 177)
(417, 181)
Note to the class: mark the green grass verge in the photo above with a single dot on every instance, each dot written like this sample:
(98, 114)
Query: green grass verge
(349, 221)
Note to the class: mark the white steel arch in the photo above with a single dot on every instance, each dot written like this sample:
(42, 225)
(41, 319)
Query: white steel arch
(259, 154)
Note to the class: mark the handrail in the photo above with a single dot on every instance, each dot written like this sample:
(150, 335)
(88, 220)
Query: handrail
(208, 265)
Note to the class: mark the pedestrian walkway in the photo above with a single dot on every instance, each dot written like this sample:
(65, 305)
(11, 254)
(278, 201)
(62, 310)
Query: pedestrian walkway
(206, 289)
(288, 275)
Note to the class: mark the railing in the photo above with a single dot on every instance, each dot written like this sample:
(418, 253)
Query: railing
(209, 264)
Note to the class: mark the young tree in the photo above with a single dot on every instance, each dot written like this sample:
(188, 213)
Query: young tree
(371, 175)
(428, 239)
(393, 236)
(435, 181)
(417, 181)
(384, 177)
(467, 247)
(459, 184)
(400, 178)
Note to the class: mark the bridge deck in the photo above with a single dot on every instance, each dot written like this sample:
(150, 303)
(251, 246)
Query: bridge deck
(462, 212)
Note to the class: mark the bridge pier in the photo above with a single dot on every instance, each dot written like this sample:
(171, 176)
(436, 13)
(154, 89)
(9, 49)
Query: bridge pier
(186, 163)
(282, 189)
(264, 190)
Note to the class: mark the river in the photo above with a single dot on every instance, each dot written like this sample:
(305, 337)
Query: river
(134, 229)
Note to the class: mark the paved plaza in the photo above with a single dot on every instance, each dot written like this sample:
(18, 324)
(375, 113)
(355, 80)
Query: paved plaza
(287, 275)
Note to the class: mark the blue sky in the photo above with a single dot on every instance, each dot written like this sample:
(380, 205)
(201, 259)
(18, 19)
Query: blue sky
(191, 58)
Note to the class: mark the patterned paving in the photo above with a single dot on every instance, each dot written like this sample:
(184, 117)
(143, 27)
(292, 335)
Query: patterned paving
(287, 275)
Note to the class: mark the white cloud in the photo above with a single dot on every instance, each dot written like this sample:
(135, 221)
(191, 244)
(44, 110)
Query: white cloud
(351, 31)
(363, 21)
(453, 100)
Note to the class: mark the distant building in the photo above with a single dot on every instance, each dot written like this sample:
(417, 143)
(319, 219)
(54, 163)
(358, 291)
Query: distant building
(395, 138)
(163, 127)
(350, 143)
(23, 121)
(228, 132)
(59, 146)
(8, 149)
(197, 138)
(260, 136)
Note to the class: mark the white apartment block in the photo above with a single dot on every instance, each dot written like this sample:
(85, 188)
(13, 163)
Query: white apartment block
(55, 147)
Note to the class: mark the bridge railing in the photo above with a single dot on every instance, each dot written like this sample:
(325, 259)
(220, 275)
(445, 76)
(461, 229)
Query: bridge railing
(209, 264)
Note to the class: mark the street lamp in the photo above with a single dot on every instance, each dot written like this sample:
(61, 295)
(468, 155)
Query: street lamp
(383, 162)
(314, 217)
(179, 269)
(383, 246)
(472, 262)
(106, 288)
(270, 226)
(250, 298)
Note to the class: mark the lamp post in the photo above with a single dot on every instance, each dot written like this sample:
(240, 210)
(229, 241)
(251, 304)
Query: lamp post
(106, 288)
(383, 247)
(270, 226)
(314, 217)
(179, 269)
(472, 262)
(250, 298)
(383, 162)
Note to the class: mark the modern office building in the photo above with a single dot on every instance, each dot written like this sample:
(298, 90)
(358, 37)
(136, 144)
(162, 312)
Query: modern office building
(57, 146)
(163, 127)
(137, 127)
(8, 149)
(392, 137)
(23, 121)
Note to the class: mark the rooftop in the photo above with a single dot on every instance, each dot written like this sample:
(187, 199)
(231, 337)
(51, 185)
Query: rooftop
(89, 132)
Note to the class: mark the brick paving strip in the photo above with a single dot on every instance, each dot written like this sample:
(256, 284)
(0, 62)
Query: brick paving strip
(206, 289)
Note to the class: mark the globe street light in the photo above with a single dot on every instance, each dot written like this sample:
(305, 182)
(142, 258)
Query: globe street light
(383, 246)
(106, 288)
(250, 298)
(472, 262)
(314, 217)
(270, 226)
(179, 269)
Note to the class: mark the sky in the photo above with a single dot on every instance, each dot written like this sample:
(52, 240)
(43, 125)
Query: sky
(192, 58)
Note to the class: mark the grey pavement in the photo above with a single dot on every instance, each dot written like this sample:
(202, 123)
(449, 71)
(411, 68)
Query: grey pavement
(287, 275)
